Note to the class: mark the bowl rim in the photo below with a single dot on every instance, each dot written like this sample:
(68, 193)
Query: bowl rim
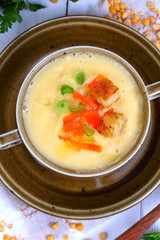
(81, 17)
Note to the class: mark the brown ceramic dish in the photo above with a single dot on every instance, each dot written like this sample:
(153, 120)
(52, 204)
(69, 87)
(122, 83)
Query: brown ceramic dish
(12, 138)
(53, 192)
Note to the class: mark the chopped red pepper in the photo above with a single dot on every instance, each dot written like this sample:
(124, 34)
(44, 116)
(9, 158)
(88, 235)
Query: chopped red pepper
(92, 104)
(73, 117)
(74, 127)
(79, 96)
(92, 118)
(82, 145)
(88, 101)
(95, 81)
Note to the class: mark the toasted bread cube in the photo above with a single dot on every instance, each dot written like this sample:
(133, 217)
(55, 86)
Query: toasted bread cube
(105, 92)
(112, 124)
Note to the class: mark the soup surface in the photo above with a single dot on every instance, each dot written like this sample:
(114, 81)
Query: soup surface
(83, 111)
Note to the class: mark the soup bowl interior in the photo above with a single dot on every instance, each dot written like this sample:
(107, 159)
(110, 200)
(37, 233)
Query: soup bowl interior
(87, 173)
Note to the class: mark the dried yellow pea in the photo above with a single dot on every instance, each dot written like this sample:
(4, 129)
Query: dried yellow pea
(152, 19)
(123, 6)
(117, 6)
(79, 226)
(72, 225)
(134, 21)
(124, 15)
(54, 1)
(150, 5)
(156, 11)
(137, 17)
(10, 226)
(145, 21)
(2, 226)
(131, 12)
(13, 238)
(141, 13)
(65, 237)
(6, 237)
(54, 225)
(116, 1)
(50, 237)
(156, 26)
(103, 236)
(112, 10)
(127, 22)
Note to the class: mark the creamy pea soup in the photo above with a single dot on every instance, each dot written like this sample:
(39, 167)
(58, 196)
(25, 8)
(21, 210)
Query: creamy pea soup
(45, 126)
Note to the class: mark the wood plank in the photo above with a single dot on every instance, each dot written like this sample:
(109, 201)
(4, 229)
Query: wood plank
(51, 11)
(138, 229)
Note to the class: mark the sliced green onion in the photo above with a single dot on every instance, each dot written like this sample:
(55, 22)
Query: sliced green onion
(62, 107)
(87, 131)
(79, 77)
(66, 89)
(78, 109)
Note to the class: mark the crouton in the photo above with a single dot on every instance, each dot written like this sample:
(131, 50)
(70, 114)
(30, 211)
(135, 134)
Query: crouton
(105, 92)
(112, 124)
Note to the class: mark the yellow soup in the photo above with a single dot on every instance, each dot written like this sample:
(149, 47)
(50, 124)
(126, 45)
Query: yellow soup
(43, 124)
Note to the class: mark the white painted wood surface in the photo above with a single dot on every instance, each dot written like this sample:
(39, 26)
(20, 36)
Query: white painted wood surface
(117, 224)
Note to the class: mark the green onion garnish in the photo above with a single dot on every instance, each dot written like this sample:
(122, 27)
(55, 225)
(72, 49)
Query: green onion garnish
(66, 89)
(79, 77)
(62, 107)
(78, 109)
(87, 131)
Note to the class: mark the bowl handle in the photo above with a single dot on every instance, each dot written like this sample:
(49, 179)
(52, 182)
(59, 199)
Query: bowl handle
(12, 138)
(153, 90)
(9, 139)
